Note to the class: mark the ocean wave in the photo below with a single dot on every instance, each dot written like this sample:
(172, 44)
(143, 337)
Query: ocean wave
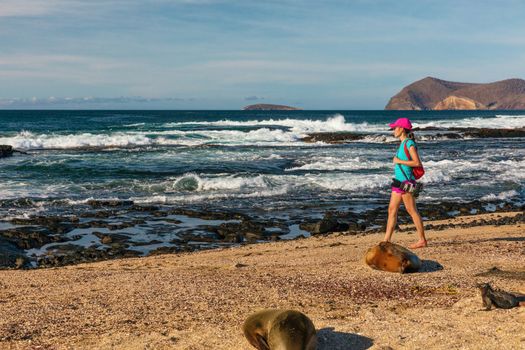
(505, 195)
(338, 163)
(198, 198)
(496, 122)
(134, 124)
(246, 186)
(336, 122)
(194, 182)
(27, 140)
(260, 137)
(342, 182)
(470, 172)
(295, 130)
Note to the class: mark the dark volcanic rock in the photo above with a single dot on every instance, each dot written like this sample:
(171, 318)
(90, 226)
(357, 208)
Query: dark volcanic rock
(55, 224)
(109, 203)
(448, 133)
(431, 93)
(6, 151)
(235, 232)
(165, 250)
(111, 238)
(69, 254)
(333, 137)
(30, 237)
(145, 208)
(487, 133)
(38, 231)
(208, 215)
(9, 253)
(326, 225)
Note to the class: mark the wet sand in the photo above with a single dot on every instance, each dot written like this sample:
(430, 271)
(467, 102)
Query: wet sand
(199, 300)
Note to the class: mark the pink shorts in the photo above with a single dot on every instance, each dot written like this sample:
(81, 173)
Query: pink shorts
(400, 191)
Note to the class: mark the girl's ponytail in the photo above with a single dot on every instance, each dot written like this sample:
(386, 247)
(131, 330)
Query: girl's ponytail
(410, 134)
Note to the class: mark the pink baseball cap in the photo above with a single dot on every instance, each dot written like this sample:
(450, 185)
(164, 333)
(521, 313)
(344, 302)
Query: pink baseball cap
(401, 122)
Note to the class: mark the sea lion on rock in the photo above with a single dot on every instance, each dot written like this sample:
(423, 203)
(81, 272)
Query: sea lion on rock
(388, 256)
(274, 329)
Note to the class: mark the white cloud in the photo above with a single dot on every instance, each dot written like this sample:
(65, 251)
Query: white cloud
(30, 8)
(75, 70)
(78, 101)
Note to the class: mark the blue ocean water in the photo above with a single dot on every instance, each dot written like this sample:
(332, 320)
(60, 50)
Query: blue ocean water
(247, 161)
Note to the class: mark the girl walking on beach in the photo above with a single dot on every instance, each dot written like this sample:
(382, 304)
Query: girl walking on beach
(403, 165)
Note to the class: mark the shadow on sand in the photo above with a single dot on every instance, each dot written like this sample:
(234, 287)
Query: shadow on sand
(496, 272)
(430, 266)
(328, 339)
(510, 239)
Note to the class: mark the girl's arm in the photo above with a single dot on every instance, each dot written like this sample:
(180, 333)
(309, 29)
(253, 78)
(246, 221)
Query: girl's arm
(415, 162)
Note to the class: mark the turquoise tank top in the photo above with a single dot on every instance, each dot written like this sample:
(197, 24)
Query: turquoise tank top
(398, 174)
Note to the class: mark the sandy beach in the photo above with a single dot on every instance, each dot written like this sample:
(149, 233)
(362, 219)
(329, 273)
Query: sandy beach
(199, 300)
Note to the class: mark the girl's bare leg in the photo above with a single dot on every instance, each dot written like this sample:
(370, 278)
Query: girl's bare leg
(410, 205)
(393, 208)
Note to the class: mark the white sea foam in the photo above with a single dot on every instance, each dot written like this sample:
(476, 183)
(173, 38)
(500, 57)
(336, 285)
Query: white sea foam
(28, 140)
(197, 198)
(194, 182)
(343, 182)
(338, 163)
(497, 122)
(500, 196)
(135, 124)
(262, 136)
(300, 126)
(201, 187)
(338, 123)
(447, 170)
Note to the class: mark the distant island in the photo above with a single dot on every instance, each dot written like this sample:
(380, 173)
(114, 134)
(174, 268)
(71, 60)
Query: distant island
(269, 107)
(436, 94)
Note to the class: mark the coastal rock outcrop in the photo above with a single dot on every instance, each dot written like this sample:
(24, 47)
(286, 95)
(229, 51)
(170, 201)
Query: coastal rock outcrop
(333, 137)
(454, 102)
(6, 151)
(50, 241)
(269, 107)
(436, 94)
(10, 253)
(326, 225)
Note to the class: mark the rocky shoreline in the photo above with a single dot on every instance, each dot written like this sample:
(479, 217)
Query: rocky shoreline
(436, 134)
(115, 229)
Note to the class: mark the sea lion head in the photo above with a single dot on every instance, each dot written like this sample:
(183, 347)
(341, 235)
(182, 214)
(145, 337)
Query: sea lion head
(274, 329)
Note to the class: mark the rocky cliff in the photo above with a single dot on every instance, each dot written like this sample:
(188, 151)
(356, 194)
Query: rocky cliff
(269, 107)
(435, 94)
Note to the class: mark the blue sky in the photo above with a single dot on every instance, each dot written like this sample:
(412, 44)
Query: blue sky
(224, 54)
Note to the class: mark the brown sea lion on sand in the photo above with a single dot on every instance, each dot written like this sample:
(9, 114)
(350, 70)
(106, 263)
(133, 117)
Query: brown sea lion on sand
(499, 298)
(274, 329)
(388, 256)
